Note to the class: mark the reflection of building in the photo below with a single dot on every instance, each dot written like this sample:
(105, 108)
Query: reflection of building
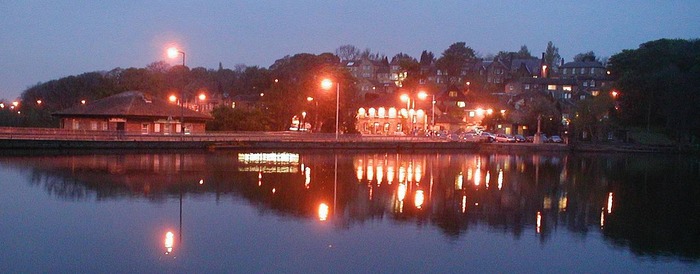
(132, 112)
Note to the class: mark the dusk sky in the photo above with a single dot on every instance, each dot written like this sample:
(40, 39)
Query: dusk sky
(46, 40)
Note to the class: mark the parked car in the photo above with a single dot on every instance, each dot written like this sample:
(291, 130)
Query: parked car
(556, 139)
(471, 137)
(530, 139)
(520, 139)
(505, 138)
(489, 137)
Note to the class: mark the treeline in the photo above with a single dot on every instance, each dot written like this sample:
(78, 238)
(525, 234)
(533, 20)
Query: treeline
(659, 85)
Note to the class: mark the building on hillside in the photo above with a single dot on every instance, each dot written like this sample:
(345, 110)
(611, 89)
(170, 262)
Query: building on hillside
(391, 115)
(133, 112)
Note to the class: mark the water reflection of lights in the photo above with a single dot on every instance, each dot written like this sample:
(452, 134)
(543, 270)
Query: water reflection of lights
(271, 158)
(477, 177)
(201, 181)
(269, 162)
(610, 202)
(464, 203)
(419, 199)
(323, 210)
(307, 177)
(402, 192)
(169, 242)
(459, 181)
(563, 201)
(383, 168)
(539, 222)
(500, 179)
(488, 177)
(390, 174)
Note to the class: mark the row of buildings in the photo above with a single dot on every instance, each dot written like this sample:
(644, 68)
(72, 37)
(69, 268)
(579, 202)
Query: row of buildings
(452, 102)
(384, 106)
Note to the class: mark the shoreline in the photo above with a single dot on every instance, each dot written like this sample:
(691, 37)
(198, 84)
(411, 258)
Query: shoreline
(342, 144)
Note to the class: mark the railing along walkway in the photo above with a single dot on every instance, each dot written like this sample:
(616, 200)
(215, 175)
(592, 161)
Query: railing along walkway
(8, 133)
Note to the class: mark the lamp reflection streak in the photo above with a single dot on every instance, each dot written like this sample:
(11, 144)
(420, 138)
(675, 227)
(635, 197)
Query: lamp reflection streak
(169, 242)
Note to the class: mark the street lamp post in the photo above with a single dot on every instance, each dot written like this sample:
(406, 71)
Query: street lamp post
(328, 84)
(422, 95)
(172, 53)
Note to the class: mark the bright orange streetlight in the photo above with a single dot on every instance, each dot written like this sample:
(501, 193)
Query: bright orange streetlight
(173, 52)
(202, 97)
(172, 98)
(327, 84)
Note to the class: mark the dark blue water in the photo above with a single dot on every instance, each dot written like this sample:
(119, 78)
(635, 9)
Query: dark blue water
(348, 212)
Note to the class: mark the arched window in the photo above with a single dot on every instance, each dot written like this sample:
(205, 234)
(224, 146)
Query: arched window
(381, 113)
(361, 113)
(392, 113)
(372, 112)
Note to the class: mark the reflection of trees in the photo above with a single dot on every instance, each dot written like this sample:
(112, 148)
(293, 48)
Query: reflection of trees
(646, 203)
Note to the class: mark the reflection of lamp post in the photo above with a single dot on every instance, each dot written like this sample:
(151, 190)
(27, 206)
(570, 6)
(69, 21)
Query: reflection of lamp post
(328, 84)
(172, 53)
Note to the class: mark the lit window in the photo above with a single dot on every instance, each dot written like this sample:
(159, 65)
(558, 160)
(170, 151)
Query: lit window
(381, 113)
(585, 83)
(453, 94)
(144, 128)
(551, 87)
(461, 104)
(93, 125)
(527, 86)
(392, 112)
(472, 114)
(361, 113)
(566, 88)
(372, 112)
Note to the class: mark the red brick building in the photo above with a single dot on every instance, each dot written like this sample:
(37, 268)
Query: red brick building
(133, 112)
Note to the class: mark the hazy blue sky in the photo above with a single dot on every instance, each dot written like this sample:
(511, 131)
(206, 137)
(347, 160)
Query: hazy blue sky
(46, 40)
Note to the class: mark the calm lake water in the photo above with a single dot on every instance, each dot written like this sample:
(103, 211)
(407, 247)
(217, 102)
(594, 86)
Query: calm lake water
(362, 212)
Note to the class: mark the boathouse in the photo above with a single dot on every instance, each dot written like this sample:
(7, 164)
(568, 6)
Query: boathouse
(133, 112)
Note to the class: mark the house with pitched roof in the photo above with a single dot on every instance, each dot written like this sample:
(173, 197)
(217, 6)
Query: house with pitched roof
(133, 112)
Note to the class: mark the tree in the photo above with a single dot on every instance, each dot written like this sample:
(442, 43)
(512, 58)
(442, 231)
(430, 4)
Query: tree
(524, 53)
(551, 56)
(426, 58)
(659, 86)
(367, 53)
(453, 60)
(592, 117)
(586, 57)
(347, 52)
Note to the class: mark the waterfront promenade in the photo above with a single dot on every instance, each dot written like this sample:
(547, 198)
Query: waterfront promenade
(54, 138)
(45, 138)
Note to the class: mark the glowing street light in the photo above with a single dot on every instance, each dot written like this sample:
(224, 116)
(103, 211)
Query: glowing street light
(173, 52)
(423, 95)
(327, 84)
